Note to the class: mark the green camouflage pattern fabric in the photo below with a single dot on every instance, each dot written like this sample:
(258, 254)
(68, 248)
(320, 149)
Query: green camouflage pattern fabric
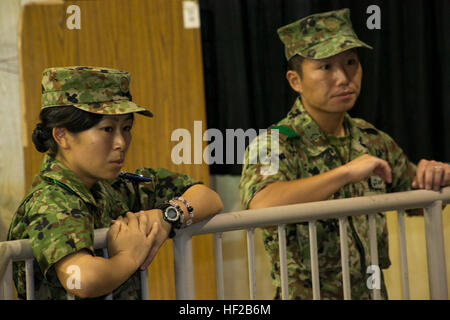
(320, 35)
(59, 215)
(305, 150)
(92, 89)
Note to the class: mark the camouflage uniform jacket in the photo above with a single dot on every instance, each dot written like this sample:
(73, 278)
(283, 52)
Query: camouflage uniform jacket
(304, 151)
(59, 215)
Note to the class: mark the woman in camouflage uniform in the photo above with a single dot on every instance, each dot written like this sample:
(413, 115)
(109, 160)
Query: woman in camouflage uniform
(86, 118)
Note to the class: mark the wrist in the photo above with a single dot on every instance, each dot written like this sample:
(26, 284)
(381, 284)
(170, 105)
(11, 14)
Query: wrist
(343, 174)
(163, 223)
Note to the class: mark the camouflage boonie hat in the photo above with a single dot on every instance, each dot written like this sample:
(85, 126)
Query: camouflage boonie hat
(92, 89)
(320, 35)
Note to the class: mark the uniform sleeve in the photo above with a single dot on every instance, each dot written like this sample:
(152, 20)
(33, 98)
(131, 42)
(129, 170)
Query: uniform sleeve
(403, 170)
(165, 185)
(267, 159)
(59, 224)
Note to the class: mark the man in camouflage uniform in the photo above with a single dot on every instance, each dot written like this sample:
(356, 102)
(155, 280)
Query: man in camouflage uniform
(321, 154)
(59, 213)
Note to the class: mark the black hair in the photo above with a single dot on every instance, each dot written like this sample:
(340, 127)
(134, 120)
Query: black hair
(73, 119)
(295, 64)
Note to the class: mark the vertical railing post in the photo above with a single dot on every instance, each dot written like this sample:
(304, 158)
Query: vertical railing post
(219, 265)
(437, 272)
(374, 251)
(283, 262)
(403, 254)
(183, 267)
(8, 292)
(29, 278)
(251, 263)
(314, 260)
(344, 257)
(144, 284)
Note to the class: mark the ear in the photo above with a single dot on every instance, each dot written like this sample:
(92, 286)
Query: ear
(294, 81)
(60, 135)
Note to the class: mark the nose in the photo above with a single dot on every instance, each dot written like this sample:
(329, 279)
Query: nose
(341, 76)
(120, 143)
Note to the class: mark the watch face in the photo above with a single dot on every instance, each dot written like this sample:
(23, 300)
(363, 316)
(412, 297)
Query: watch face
(172, 213)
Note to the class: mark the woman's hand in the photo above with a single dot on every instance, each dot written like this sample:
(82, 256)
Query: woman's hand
(154, 216)
(133, 239)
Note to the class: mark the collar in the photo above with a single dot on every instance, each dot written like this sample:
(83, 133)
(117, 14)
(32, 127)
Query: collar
(56, 172)
(315, 139)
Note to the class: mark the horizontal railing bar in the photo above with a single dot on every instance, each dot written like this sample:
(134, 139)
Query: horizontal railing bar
(21, 250)
(305, 212)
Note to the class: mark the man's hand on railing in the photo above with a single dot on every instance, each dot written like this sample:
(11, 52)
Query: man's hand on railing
(431, 175)
(366, 165)
(321, 186)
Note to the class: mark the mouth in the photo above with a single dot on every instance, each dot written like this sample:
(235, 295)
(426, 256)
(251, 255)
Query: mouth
(344, 94)
(118, 163)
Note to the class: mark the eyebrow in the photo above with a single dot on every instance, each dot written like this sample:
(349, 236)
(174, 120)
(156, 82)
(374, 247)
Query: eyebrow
(116, 118)
(351, 51)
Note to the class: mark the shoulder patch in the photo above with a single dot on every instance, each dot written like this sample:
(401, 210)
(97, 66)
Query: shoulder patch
(288, 132)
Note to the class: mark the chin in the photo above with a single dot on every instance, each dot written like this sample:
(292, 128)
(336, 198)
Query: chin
(110, 175)
(343, 107)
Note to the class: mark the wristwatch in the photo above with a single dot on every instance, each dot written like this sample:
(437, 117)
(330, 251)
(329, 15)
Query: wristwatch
(173, 214)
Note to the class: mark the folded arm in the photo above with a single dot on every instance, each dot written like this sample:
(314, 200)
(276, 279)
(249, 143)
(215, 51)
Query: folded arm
(205, 201)
(321, 186)
(128, 245)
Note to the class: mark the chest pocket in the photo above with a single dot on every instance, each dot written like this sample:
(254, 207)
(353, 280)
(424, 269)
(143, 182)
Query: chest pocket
(373, 185)
(320, 160)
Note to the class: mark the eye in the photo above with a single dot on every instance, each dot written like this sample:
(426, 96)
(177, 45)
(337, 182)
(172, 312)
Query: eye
(108, 129)
(127, 128)
(325, 66)
(351, 62)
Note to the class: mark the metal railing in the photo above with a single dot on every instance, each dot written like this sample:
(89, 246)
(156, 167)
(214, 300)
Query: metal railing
(431, 201)
(20, 250)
